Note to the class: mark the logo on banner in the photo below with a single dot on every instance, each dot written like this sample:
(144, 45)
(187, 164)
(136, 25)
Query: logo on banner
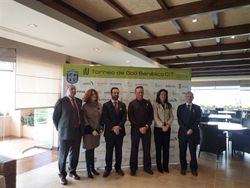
(85, 71)
(72, 76)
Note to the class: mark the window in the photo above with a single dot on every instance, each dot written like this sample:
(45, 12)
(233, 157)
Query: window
(7, 83)
(228, 97)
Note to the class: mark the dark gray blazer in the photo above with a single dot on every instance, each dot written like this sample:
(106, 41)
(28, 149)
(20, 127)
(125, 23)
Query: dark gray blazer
(189, 120)
(63, 118)
(110, 118)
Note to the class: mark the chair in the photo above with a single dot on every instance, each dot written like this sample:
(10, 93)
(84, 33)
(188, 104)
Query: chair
(237, 118)
(246, 122)
(238, 114)
(219, 109)
(204, 118)
(212, 140)
(213, 112)
(241, 142)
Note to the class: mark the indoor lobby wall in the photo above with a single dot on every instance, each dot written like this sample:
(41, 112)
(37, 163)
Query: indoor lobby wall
(38, 75)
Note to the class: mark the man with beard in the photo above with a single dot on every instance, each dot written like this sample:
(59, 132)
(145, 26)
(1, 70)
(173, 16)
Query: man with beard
(114, 117)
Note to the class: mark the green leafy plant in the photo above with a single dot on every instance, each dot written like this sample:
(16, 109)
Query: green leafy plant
(28, 120)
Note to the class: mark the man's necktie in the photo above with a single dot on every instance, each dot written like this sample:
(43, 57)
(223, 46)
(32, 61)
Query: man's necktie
(77, 118)
(189, 107)
(116, 107)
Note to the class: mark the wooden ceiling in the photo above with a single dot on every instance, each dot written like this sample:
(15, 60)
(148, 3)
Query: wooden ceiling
(212, 37)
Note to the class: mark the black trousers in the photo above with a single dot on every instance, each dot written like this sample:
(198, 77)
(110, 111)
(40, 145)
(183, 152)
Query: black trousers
(90, 159)
(113, 141)
(71, 148)
(183, 142)
(146, 143)
(162, 140)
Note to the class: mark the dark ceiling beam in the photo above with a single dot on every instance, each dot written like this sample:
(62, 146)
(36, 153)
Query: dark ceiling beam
(82, 18)
(71, 12)
(212, 64)
(176, 23)
(117, 37)
(149, 33)
(178, 26)
(166, 48)
(126, 14)
(163, 4)
(118, 8)
(228, 73)
(142, 51)
(205, 49)
(206, 58)
(181, 31)
(190, 45)
(193, 36)
(173, 13)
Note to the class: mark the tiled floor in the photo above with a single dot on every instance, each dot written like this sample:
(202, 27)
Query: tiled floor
(225, 173)
(36, 161)
(14, 147)
(40, 171)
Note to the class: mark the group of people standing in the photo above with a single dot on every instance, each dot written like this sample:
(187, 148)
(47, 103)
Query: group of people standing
(90, 119)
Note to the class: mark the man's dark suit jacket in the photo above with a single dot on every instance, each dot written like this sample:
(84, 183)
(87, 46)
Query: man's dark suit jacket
(64, 118)
(111, 118)
(189, 120)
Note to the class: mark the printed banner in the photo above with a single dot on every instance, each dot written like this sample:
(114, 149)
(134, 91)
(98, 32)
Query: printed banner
(103, 78)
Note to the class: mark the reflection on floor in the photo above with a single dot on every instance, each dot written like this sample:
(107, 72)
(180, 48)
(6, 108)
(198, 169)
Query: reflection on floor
(36, 161)
(14, 147)
(225, 173)
(18, 148)
(41, 171)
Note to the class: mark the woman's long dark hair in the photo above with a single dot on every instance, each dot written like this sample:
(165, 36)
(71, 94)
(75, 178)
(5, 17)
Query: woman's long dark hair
(166, 100)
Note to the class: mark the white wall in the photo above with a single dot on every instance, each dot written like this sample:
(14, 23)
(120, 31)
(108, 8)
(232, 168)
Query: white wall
(38, 80)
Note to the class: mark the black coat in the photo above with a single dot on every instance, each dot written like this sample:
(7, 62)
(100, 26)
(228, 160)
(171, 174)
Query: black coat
(111, 118)
(189, 120)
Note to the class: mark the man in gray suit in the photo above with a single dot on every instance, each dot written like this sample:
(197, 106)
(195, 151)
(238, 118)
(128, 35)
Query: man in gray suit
(67, 118)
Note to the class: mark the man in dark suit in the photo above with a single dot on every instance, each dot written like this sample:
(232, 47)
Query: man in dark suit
(114, 116)
(189, 116)
(140, 115)
(67, 118)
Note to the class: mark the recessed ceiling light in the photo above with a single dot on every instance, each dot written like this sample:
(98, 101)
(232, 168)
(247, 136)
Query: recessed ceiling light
(194, 20)
(96, 49)
(232, 37)
(129, 31)
(32, 25)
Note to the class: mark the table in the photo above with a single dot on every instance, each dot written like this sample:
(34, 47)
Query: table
(226, 126)
(227, 112)
(218, 117)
